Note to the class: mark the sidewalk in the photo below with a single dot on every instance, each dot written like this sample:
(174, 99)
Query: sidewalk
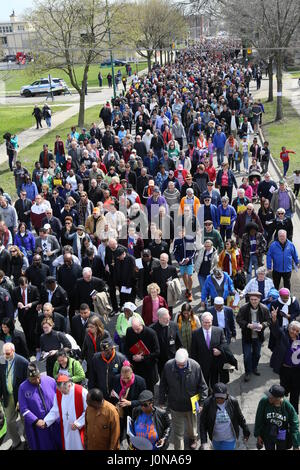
(29, 136)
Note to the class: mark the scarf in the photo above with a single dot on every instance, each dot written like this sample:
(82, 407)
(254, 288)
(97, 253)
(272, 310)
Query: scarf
(111, 357)
(232, 260)
(191, 320)
(126, 386)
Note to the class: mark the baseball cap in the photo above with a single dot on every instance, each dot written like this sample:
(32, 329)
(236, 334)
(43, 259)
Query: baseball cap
(63, 378)
(106, 344)
(130, 306)
(145, 395)
(276, 391)
(254, 294)
(220, 390)
(219, 301)
(156, 189)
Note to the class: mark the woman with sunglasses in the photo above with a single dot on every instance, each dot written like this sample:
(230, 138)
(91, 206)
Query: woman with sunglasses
(18, 264)
(150, 423)
(282, 222)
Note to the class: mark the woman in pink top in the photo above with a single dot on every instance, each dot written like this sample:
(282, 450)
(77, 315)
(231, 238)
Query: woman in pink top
(248, 189)
(151, 304)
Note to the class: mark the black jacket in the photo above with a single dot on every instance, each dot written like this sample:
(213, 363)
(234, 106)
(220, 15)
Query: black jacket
(283, 343)
(169, 341)
(37, 275)
(244, 317)
(144, 276)
(148, 367)
(179, 387)
(161, 421)
(59, 299)
(78, 329)
(102, 373)
(160, 276)
(125, 272)
(59, 324)
(88, 349)
(18, 339)
(5, 259)
(208, 418)
(229, 330)
(23, 212)
(33, 297)
(83, 289)
(95, 264)
(67, 276)
(6, 304)
(20, 374)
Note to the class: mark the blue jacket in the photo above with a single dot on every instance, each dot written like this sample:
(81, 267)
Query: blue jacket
(219, 140)
(151, 164)
(228, 212)
(31, 190)
(229, 330)
(231, 179)
(184, 248)
(26, 243)
(210, 291)
(214, 215)
(282, 258)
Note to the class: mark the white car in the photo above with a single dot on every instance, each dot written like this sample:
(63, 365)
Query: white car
(42, 86)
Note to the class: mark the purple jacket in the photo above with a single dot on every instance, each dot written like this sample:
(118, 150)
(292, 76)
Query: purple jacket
(33, 407)
(153, 207)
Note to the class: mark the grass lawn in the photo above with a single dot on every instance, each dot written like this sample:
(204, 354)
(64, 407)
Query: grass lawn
(15, 119)
(18, 78)
(295, 74)
(30, 154)
(285, 133)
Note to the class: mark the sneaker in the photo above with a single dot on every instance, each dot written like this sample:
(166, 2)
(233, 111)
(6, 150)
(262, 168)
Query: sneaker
(193, 444)
(247, 378)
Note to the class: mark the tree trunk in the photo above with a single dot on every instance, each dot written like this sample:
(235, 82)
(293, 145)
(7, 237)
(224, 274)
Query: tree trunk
(279, 109)
(161, 57)
(84, 84)
(155, 56)
(168, 56)
(270, 75)
(149, 54)
(165, 57)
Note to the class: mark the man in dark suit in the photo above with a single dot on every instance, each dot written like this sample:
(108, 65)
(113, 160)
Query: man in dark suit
(168, 337)
(144, 274)
(85, 286)
(23, 207)
(37, 272)
(79, 323)
(224, 318)
(56, 295)
(48, 312)
(207, 349)
(54, 223)
(94, 262)
(12, 373)
(110, 263)
(26, 299)
(162, 274)
(67, 276)
(49, 246)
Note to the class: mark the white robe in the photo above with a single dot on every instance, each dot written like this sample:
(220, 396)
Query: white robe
(72, 438)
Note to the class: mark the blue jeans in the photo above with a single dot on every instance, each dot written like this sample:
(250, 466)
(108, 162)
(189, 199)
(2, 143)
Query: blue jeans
(201, 280)
(224, 445)
(245, 160)
(220, 156)
(253, 262)
(48, 121)
(251, 352)
(285, 167)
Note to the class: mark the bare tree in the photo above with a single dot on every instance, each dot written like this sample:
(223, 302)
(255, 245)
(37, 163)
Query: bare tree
(69, 33)
(154, 24)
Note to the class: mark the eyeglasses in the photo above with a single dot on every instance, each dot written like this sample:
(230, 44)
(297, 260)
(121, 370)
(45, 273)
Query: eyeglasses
(13, 251)
(280, 213)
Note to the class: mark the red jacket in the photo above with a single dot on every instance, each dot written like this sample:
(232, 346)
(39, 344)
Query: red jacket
(147, 308)
(211, 171)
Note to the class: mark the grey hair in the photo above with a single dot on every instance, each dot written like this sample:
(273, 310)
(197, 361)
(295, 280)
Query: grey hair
(261, 269)
(206, 315)
(294, 323)
(282, 231)
(162, 311)
(12, 346)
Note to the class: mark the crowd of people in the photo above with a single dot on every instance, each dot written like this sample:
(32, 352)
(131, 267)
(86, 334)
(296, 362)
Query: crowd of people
(93, 252)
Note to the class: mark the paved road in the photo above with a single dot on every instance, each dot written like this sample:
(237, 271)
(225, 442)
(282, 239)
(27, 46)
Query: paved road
(249, 393)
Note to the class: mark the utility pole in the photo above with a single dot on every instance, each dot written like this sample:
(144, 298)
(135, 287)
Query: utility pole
(110, 48)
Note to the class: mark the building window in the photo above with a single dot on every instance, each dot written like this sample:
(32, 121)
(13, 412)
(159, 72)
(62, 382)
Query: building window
(4, 40)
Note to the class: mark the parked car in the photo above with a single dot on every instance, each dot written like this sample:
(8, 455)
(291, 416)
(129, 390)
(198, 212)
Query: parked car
(117, 62)
(10, 58)
(42, 86)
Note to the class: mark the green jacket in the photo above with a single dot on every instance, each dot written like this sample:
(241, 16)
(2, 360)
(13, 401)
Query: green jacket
(284, 417)
(216, 238)
(75, 370)
(123, 324)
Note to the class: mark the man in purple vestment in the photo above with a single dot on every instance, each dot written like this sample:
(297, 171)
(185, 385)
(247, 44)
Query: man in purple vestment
(36, 397)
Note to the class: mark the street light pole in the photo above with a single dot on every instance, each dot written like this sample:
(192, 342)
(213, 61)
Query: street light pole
(111, 52)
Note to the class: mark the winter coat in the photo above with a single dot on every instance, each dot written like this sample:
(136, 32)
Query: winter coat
(282, 257)
(261, 246)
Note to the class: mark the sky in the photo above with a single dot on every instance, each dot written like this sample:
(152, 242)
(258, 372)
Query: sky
(18, 5)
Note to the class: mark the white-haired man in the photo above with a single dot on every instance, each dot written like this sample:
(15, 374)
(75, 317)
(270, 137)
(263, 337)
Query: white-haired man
(85, 286)
(181, 380)
(168, 336)
(207, 349)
